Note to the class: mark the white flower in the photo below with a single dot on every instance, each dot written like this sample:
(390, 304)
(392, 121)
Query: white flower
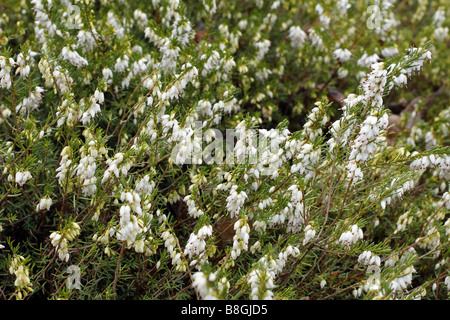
(108, 75)
(354, 172)
(5, 72)
(343, 55)
(263, 48)
(308, 157)
(365, 145)
(342, 73)
(235, 201)
(24, 63)
(121, 64)
(87, 166)
(95, 101)
(44, 204)
(261, 282)
(389, 52)
(64, 164)
(22, 177)
(73, 57)
(170, 242)
(368, 258)
(350, 237)
(297, 36)
(352, 100)
(87, 40)
(202, 284)
(119, 30)
(441, 33)
(60, 240)
(318, 9)
(210, 7)
(343, 6)
(366, 60)
(447, 282)
(316, 40)
(417, 64)
(373, 85)
(21, 271)
(310, 233)
(141, 18)
(439, 18)
(144, 186)
(31, 102)
(401, 283)
(196, 244)
(204, 108)
(241, 238)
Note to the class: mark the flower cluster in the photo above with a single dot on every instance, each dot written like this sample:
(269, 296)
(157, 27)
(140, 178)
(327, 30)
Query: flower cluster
(241, 238)
(368, 258)
(19, 268)
(44, 204)
(22, 177)
(170, 242)
(352, 236)
(204, 285)
(196, 245)
(235, 201)
(261, 279)
(60, 240)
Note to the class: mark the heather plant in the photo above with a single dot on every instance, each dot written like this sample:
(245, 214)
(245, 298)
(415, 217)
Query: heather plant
(211, 149)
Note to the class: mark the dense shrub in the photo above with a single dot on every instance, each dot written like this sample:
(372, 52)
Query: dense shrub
(224, 149)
